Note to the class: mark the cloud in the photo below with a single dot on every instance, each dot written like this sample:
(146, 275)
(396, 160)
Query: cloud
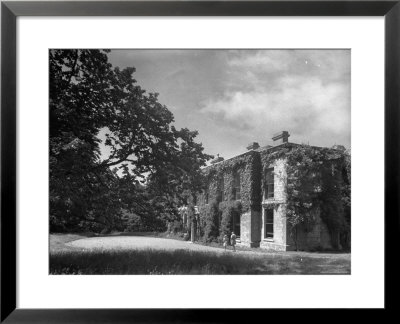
(304, 92)
(275, 60)
(233, 97)
(306, 107)
(326, 64)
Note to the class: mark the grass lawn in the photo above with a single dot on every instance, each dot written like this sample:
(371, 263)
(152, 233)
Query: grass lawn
(57, 241)
(69, 260)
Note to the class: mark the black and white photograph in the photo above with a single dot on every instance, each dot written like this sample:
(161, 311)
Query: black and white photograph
(199, 161)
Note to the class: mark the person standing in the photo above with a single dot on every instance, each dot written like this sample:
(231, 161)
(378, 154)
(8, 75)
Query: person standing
(233, 241)
(225, 241)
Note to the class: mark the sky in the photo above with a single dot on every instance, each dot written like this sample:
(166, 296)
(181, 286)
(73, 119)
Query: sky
(235, 97)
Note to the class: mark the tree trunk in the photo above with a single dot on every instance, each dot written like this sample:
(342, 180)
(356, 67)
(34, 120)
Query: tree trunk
(193, 230)
(339, 246)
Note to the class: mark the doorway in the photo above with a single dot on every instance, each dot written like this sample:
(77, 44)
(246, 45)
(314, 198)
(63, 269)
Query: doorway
(236, 224)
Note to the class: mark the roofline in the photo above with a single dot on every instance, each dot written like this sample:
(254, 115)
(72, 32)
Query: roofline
(208, 166)
(264, 149)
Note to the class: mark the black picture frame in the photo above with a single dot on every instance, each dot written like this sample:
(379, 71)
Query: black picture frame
(10, 10)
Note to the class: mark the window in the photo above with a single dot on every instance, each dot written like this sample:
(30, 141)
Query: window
(269, 183)
(236, 186)
(236, 224)
(269, 223)
(221, 189)
(206, 197)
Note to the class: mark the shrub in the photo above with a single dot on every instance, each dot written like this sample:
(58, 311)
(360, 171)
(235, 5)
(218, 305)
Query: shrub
(175, 227)
(105, 231)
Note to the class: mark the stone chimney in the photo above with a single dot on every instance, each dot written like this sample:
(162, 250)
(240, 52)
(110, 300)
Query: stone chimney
(280, 138)
(252, 146)
(339, 147)
(217, 159)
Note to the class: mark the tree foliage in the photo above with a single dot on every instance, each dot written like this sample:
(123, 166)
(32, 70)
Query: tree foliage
(230, 210)
(318, 181)
(143, 156)
(211, 222)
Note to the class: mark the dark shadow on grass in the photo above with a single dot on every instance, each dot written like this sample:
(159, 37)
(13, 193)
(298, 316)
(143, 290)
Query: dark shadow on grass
(181, 262)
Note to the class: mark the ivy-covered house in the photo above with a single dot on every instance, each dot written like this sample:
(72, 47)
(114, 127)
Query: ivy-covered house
(282, 197)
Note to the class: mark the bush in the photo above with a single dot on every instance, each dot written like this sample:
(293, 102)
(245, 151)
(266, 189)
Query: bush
(105, 231)
(135, 223)
(175, 227)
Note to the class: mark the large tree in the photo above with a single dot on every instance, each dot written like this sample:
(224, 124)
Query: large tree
(89, 97)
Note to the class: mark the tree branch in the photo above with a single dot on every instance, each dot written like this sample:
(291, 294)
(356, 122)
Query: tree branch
(73, 68)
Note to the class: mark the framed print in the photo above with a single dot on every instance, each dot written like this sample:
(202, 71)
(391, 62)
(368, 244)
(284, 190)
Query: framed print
(197, 155)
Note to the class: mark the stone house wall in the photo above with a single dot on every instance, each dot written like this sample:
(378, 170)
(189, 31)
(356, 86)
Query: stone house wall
(277, 203)
(316, 238)
(243, 167)
(251, 170)
(278, 242)
(245, 230)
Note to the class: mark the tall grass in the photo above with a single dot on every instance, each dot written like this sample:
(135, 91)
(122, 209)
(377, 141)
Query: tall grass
(161, 262)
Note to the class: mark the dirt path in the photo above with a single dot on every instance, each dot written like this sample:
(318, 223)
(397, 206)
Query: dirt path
(137, 242)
